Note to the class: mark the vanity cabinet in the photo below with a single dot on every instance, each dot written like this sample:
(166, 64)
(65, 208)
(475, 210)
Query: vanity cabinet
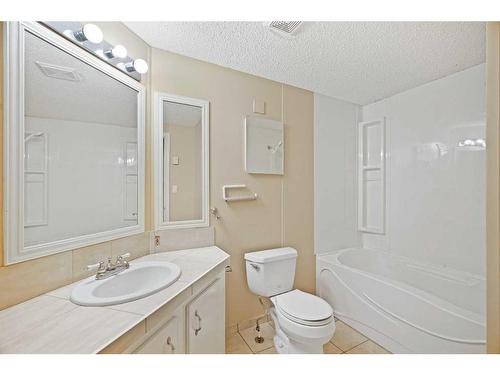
(193, 322)
(205, 320)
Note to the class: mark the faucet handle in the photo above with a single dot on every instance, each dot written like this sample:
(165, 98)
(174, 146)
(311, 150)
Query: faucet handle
(95, 267)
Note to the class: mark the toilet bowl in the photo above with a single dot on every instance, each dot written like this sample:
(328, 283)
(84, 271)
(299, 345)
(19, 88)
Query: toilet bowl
(303, 322)
(304, 319)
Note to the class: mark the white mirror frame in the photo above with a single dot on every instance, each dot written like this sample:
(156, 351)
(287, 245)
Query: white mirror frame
(158, 161)
(14, 250)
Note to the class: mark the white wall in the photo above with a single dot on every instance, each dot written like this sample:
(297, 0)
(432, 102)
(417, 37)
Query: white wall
(335, 194)
(435, 190)
(85, 161)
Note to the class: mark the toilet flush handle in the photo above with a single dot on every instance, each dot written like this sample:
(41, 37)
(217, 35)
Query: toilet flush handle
(256, 267)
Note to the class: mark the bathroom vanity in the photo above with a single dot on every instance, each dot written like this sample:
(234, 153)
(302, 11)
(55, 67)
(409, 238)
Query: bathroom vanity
(186, 317)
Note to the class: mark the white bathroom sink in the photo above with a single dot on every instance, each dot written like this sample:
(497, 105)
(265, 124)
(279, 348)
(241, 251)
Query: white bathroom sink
(139, 280)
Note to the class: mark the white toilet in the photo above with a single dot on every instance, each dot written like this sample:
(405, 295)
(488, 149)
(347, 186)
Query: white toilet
(303, 322)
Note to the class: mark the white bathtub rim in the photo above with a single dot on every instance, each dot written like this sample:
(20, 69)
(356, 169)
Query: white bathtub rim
(391, 342)
(404, 259)
(424, 296)
(392, 317)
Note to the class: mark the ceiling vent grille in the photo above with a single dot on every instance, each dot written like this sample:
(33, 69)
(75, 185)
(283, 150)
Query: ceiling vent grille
(59, 72)
(285, 28)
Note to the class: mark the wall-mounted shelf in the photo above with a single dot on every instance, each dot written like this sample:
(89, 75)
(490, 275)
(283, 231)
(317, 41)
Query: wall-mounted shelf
(227, 198)
(371, 176)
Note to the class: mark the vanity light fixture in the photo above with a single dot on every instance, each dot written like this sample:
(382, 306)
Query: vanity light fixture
(139, 65)
(117, 51)
(89, 32)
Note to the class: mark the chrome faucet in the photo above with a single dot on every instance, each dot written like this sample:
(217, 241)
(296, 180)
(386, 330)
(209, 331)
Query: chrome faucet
(108, 269)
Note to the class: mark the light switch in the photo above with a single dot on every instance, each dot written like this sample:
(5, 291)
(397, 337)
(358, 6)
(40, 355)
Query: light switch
(175, 160)
(259, 106)
(174, 189)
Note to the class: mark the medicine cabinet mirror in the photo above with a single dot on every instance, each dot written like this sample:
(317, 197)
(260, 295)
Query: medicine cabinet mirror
(263, 146)
(73, 151)
(181, 161)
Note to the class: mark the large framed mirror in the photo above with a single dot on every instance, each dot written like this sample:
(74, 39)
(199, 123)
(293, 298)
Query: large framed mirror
(73, 146)
(181, 129)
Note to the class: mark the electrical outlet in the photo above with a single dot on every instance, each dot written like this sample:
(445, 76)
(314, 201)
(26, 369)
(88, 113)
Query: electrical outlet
(157, 241)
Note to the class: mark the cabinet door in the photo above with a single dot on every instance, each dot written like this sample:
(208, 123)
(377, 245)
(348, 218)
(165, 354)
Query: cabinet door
(206, 320)
(167, 340)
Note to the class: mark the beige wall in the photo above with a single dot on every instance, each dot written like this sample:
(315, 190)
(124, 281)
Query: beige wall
(283, 213)
(493, 186)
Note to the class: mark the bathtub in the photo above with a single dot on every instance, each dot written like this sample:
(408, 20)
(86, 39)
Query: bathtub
(404, 305)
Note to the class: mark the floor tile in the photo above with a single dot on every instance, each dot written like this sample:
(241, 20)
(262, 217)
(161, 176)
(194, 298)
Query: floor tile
(236, 345)
(368, 347)
(249, 335)
(346, 337)
(329, 348)
(271, 350)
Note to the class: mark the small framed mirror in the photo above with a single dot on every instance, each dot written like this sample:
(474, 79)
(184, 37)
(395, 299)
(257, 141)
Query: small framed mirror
(263, 145)
(181, 130)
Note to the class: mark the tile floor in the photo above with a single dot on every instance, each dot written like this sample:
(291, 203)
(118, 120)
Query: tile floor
(345, 341)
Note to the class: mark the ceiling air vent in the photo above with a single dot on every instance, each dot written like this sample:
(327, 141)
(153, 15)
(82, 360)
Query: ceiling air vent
(59, 72)
(285, 28)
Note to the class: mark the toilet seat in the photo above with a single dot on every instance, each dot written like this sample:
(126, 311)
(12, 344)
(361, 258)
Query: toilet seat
(303, 308)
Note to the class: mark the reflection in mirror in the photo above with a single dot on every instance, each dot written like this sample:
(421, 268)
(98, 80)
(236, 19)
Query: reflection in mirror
(182, 162)
(80, 139)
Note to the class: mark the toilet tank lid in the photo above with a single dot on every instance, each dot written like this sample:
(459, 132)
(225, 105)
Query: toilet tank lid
(272, 255)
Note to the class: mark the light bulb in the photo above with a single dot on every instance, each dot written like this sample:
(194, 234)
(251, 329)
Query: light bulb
(139, 65)
(89, 32)
(117, 51)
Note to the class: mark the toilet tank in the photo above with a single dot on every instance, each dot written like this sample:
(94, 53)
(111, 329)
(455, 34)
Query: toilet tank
(271, 272)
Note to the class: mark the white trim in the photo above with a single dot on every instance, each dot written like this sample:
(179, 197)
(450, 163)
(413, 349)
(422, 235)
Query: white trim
(14, 33)
(158, 162)
(166, 176)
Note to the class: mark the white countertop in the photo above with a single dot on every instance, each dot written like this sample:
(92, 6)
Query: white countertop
(51, 323)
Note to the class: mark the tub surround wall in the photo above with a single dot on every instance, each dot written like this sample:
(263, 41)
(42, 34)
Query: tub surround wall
(335, 193)
(435, 190)
(283, 213)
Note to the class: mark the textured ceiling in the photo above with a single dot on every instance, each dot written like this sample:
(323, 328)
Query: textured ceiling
(95, 98)
(360, 62)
